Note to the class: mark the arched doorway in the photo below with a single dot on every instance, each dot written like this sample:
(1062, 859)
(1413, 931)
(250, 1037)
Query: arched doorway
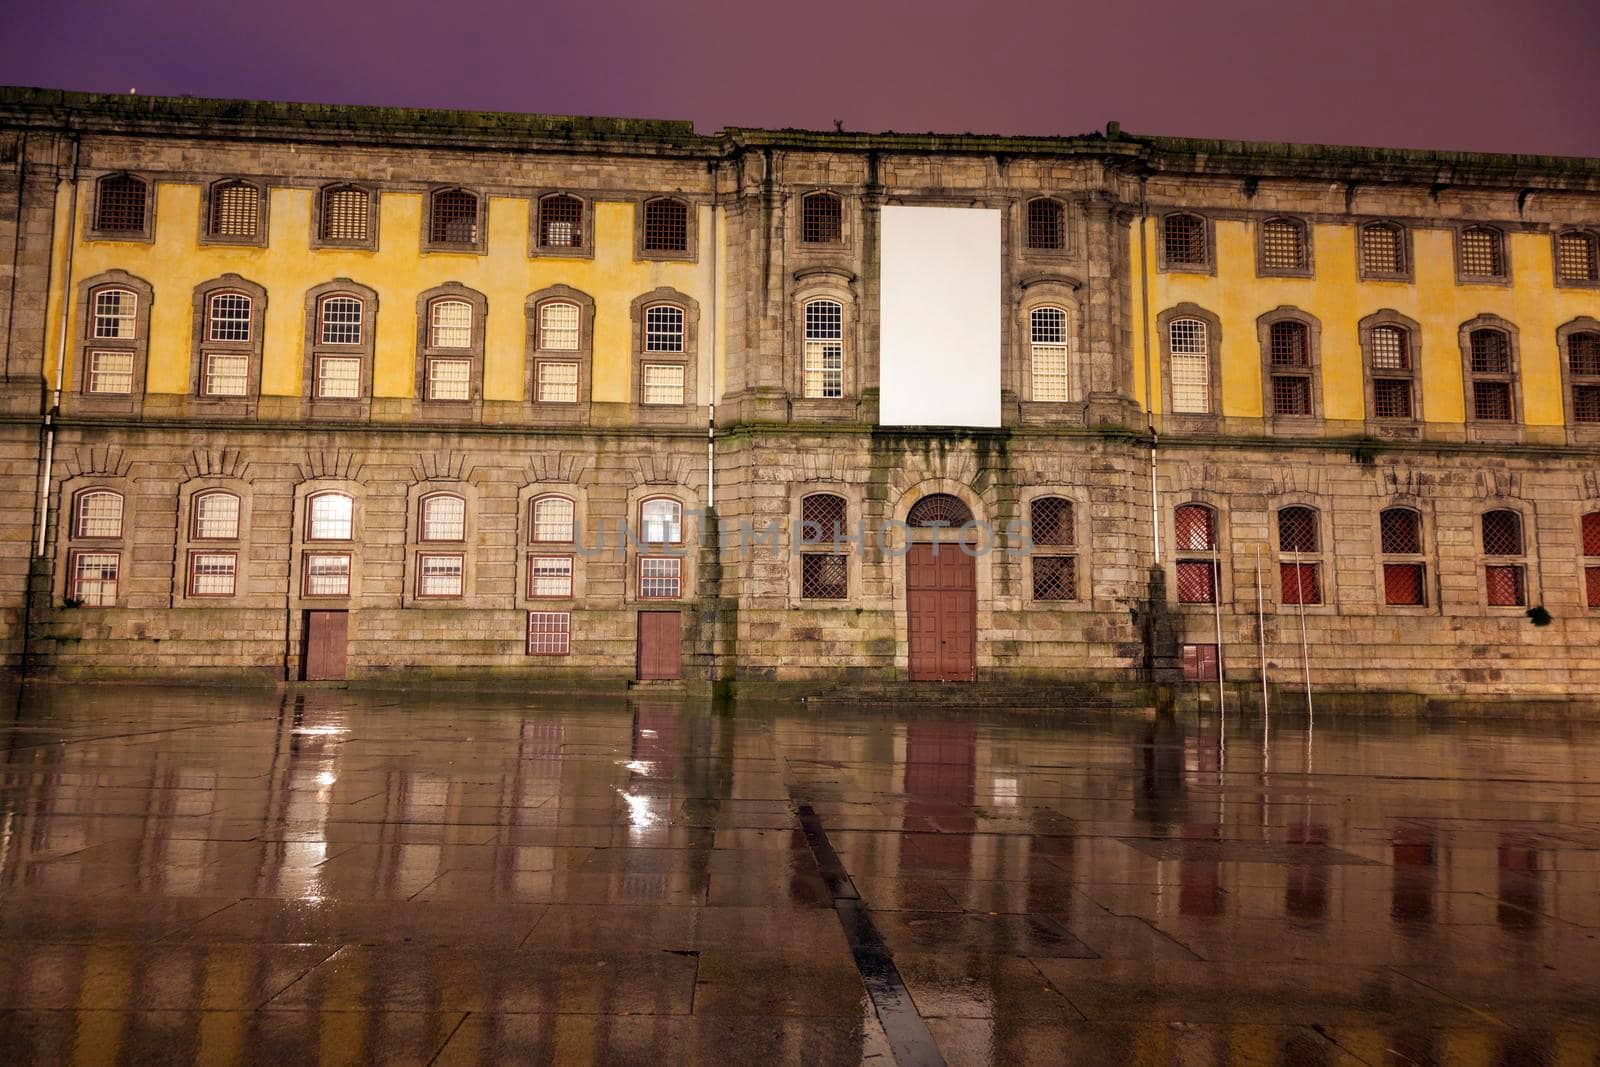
(941, 593)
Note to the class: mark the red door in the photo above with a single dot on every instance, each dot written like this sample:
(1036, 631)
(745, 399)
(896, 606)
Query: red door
(660, 645)
(322, 655)
(942, 614)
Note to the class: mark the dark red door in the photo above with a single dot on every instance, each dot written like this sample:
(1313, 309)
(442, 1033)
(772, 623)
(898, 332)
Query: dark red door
(942, 614)
(660, 645)
(322, 657)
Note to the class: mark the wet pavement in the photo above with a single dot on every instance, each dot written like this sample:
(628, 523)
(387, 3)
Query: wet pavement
(216, 877)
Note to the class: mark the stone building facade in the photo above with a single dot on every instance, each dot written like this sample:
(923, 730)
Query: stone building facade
(302, 392)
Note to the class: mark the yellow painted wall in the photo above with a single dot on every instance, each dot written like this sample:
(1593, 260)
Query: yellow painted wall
(398, 271)
(1340, 301)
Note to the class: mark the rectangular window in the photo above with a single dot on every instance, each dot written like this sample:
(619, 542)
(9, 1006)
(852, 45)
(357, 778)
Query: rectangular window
(663, 383)
(338, 377)
(94, 578)
(549, 633)
(449, 379)
(1491, 401)
(1199, 663)
(327, 574)
(549, 576)
(114, 314)
(226, 374)
(1402, 584)
(439, 575)
(1504, 585)
(824, 577)
(1055, 578)
(111, 373)
(1050, 373)
(1480, 253)
(558, 382)
(1197, 582)
(212, 573)
(660, 577)
(1591, 581)
(1291, 395)
(1301, 583)
(344, 215)
(825, 369)
(1391, 398)
(1586, 403)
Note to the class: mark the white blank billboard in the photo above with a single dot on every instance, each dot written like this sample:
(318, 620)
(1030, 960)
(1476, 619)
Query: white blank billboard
(939, 347)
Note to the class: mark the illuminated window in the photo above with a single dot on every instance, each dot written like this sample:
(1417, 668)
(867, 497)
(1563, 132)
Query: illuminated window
(549, 576)
(661, 521)
(454, 218)
(552, 519)
(560, 222)
(439, 575)
(338, 377)
(115, 314)
(1576, 259)
(226, 374)
(216, 516)
(558, 327)
(213, 573)
(449, 379)
(1052, 379)
(1283, 245)
(235, 210)
(557, 382)
(1191, 366)
(444, 517)
(98, 513)
(345, 215)
(824, 349)
(111, 373)
(450, 324)
(330, 517)
(1383, 249)
(327, 574)
(1482, 253)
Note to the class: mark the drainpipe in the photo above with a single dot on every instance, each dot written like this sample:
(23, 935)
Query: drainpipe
(61, 355)
(711, 364)
(1149, 407)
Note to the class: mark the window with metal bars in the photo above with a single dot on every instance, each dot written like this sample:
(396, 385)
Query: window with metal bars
(822, 519)
(1591, 558)
(1291, 394)
(660, 577)
(1052, 529)
(327, 574)
(440, 575)
(1400, 532)
(1391, 398)
(444, 518)
(1052, 380)
(121, 203)
(1055, 578)
(821, 219)
(824, 355)
(1189, 341)
(1194, 531)
(341, 320)
(1502, 533)
(938, 509)
(116, 315)
(216, 516)
(1503, 585)
(1383, 249)
(1576, 258)
(453, 217)
(1503, 546)
(1046, 224)
(1391, 348)
(666, 226)
(551, 520)
(549, 633)
(1583, 372)
(1297, 529)
(330, 517)
(824, 576)
(549, 577)
(1400, 540)
(346, 215)
(1482, 253)
(1194, 527)
(1184, 241)
(1491, 352)
(1288, 348)
(235, 209)
(1300, 581)
(1197, 581)
(560, 222)
(1050, 522)
(94, 578)
(1283, 245)
(1289, 344)
(97, 514)
(213, 573)
(228, 317)
(1490, 365)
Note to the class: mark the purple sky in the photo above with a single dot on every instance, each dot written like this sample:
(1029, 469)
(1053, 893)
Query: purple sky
(1489, 75)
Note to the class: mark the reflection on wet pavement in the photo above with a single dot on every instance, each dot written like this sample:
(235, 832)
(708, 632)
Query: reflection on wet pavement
(201, 876)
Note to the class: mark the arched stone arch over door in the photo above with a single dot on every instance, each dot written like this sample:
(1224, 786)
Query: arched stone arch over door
(941, 584)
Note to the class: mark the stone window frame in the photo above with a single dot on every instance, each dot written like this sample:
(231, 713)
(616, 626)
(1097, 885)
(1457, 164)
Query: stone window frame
(577, 548)
(338, 407)
(1586, 562)
(1527, 559)
(1588, 233)
(263, 212)
(147, 235)
(131, 402)
(453, 410)
(1460, 230)
(1390, 427)
(584, 250)
(673, 414)
(1324, 557)
(1427, 557)
(1308, 266)
(69, 544)
(1057, 291)
(1577, 432)
(1189, 421)
(301, 545)
(1067, 248)
(686, 550)
(1081, 548)
(691, 250)
(188, 543)
(794, 550)
(416, 547)
(476, 247)
(1223, 590)
(841, 287)
(1291, 424)
(319, 208)
(1210, 227)
(1406, 274)
(846, 229)
(200, 347)
(1489, 430)
(556, 411)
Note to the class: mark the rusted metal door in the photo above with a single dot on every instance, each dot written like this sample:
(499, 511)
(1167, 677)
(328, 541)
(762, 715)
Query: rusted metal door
(322, 655)
(942, 614)
(660, 645)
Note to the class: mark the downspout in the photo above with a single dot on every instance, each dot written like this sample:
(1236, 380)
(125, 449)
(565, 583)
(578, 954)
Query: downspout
(61, 356)
(1149, 407)
(711, 365)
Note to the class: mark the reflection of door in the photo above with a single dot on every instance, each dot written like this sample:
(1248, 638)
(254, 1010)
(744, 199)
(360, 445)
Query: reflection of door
(660, 645)
(323, 654)
(942, 613)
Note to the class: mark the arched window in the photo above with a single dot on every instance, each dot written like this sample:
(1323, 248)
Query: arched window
(228, 317)
(453, 217)
(1583, 373)
(1049, 354)
(663, 383)
(1046, 224)
(663, 325)
(330, 517)
(560, 221)
(1383, 250)
(1191, 366)
(1481, 253)
(1300, 579)
(346, 215)
(444, 518)
(216, 516)
(1393, 373)
(450, 324)
(1577, 258)
(558, 326)
(1289, 357)
(551, 520)
(666, 225)
(824, 572)
(1283, 246)
(94, 570)
(1194, 532)
(1491, 375)
(1591, 559)
(1184, 242)
(97, 514)
(661, 521)
(1400, 540)
(824, 349)
(338, 323)
(1503, 549)
(1053, 532)
(235, 210)
(340, 320)
(938, 509)
(821, 219)
(116, 314)
(114, 317)
(228, 313)
(121, 204)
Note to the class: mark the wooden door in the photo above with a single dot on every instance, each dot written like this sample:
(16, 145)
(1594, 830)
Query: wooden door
(660, 645)
(942, 614)
(322, 654)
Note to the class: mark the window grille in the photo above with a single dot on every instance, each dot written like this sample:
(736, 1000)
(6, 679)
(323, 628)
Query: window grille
(450, 324)
(1391, 398)
(1583, 353)
(1197, 581)
(553, 519)
(822, 518)
(94, 578)
(1283, 245)
(824, 349)
(327, 574)
(1391, 348)
(1586, 403)
(1402, 584)
(824, 577)
(439, 575)
(663, 328)
(1291, 395)
(216, 517)
(1481, 254)
(120, 204)
(444, 518)
(1382, 249)
(1046, 224)
(1051, 378)
(1051, 521)
(332, 516)
(1191, 366)
(341, 320)
(550, 576)
(561, 222)
(1503, 585)
(1491, 401)
(455, 218)
(99, 515)
(345, 214)
(1502, 533)
(822, 219)
(111, 373)
(663, 383)
(212, 573)
(1401, 531)
(1194, 528)
(1491, 352)
(449, 379)
(558, 382)
(666, 226)
(115, 314)
(338, 377)
(549, 633)
(1288, 344)
(1591, 583)
(938, 509)
(1301, 583)
(558, 327)
(1055, 578)
(662, 521)
(1297, 530)
(1591, 534)
(1575, 257)
(229, 317)
(1185, 240)
(660, 577)
(234, 210)
(1591, 550)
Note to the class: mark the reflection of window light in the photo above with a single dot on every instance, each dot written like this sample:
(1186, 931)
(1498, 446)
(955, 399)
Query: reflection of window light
(639, 813)
(640, 766)
(1005, 792)
(327, 778)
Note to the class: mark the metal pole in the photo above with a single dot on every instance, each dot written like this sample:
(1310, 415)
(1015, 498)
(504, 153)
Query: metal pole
(1261, 632)
(1305, 648)
(1216, 604)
